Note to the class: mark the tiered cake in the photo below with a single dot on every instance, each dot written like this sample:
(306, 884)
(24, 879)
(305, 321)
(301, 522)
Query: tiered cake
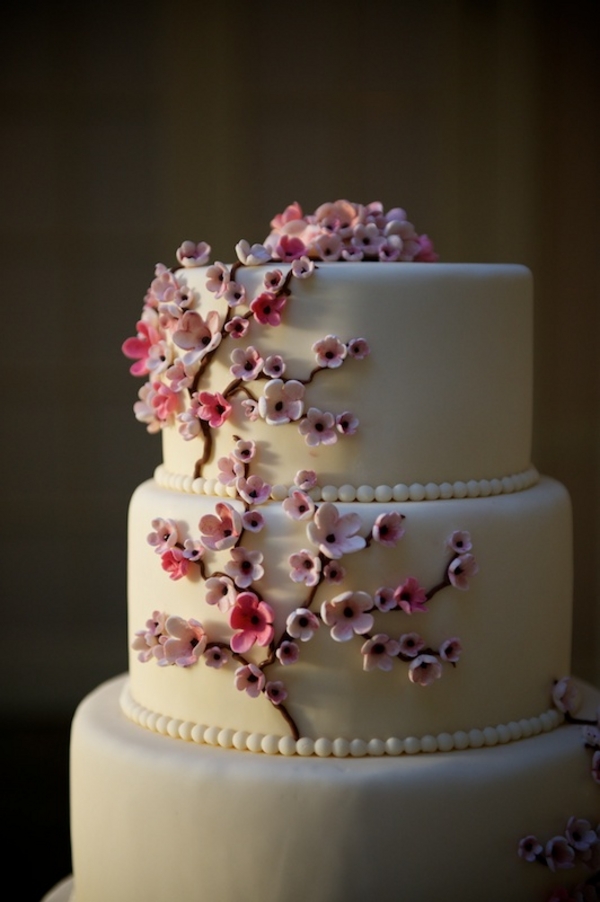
(349, 591)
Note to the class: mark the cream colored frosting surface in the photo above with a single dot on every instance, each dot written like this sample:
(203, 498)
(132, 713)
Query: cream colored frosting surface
(154, 819)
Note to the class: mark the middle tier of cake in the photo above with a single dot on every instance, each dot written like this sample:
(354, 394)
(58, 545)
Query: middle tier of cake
(491, 631)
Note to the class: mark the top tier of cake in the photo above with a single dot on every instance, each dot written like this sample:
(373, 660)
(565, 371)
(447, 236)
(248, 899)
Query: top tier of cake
(444, 394)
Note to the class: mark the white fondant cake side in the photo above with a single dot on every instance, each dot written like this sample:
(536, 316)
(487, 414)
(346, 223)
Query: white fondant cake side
(153, 818)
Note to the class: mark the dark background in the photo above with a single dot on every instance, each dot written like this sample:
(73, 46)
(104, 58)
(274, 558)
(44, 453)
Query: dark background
(126, 129)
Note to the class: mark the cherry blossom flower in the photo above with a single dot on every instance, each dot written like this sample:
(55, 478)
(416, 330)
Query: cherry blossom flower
(234, 294)
(424, 670)
(244, 450)
(216, 656)
(367, 239)
(163, 282)
(302, 267)
(410, 644)
(246, 363)
(192, 550)
(222, 529)
(160, 357)
(596, 766)
(146, 641)
(347, 614)
(250, 679)
(253, 490)
(306, 568)
(237, 326)
(253, 521)
(346, 423)
(410, 596)
(335, 534)
(229, 470)
(379, 652)
(460, 569)
(197, 336)
(287, 653)
(267, 308)
(139, 347)
(339, 216)
(177, 375)
(330, 351)
(530, 848)
(451, 650)
(281, 402)
(165, 401)
(298, 505)
(352, 254)
(333, 572)
(254, 620)
(191, 254)
(305, 480)
(390, 249)
(164, 535)
(290, 248)
(388, 528)
(384, 599)
(328, 246)
(174, 562)
(358, 348)
(213, 408)
(580, 834)
(252, 255)
(273, 280)
(274, 367)
(186, 642)
(426, 253)
(460, 541)
(221, 592)
(559, 854)
(276, 692)
(217, 277)
(144, 409)
(189, 426)
(250, 408)
(566, 695)
(302, 624)
(291, 212)
(318, 427)
(245, 567)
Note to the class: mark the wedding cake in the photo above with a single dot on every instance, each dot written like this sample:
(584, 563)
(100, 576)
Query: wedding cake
(349, 591)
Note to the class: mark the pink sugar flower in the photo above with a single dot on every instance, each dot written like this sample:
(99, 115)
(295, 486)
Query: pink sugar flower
(460, 541)
(221, 592)
(254, 620)
(346, 423)
(189, 426)
(410, 644)
(591, 736)
(229, 470)
(244, 450)
(305, 480)
(276, 692)
(330, 351)
(164, 535)
(253, 490)
(237, 326)
(367, 238)
(390, 249)
(318, 427)
(245, 567)
(328, 246)
(306, 568)
(384, 599)
(580, 834)
(234, 294)
(559, 854)
(250, 679)
(379, 652)
(252, 255)
(298, 505)
(281, 402)
(287, 653)
(426, 252)
(596, 766)
(410, 596)
(566, 695)
(178, 377)
(291, 212)
(213, 408)
(191, 254)
(460, 569)
(250, 408)
(530, 848)
(290, 248)
(222, 529)
(424, 670)
(273, 280)
(165, 401)
(192, 550)
(302, 624)
(139, 347)
(302, 267)
(451, 650)
(333, 534)
(162, 283)
(253, 521)
(217, 278)
(197, 336)
(274, 367)
(146, 641)
(352, 254)
(358, 348)
(333, 572)
(388, 528)
(186, 642)
(216, 657)
(160, 357)
(144, 409)
(347, 614)
(174, 562)
(267, 308)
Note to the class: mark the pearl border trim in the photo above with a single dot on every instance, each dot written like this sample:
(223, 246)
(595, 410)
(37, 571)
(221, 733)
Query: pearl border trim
(432, 491)
(269, 744)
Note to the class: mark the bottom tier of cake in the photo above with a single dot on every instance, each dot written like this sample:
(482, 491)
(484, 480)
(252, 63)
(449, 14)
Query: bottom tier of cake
(155, 818)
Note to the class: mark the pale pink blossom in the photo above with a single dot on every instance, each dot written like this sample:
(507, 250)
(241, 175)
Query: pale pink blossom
(165, 401)
(461, 569)
(318, 427)
(346, 423)
(410, 596)
(198, 337)
(214, 408)
(139, 347)
(189, 426)
(347, 614)
(160, 357)
(384, 599)
(276, 692)
(216, 656)
(164, 535)
(217, 277)
(335, 534)
(185, 643)
(305, 480)
(174, 563)
(411, 644)
(253, 521)
(250, 679)
(250, 408)
(289, 248)
(580, 834)
(460, 541)
(237, 326)
(358, 348)
(281, 402)
(252, 255)
(426, 252)
(302, 268)
(221, 592)
(246, 363)
(451, 650)
(591, 736)
(388, 528)
(306, 568)
(566, 695)
(424, 670)
(253, 490)
(291, 212)
(193, 550)
(530, 848)
(390, 249)
(339, 216)
(274, 367)
(191, 254)
(330, 351)
(144, 409)
(147, 641)
(254, 620)
(287, 653)
(333, 572)
(163, 282)
(245, 567)
(273, 280)
(234, 294)
(352, 254)
(367, 239)
(379, 652)
(328, 246)
(179, 378)
(559, 854)
(298, 505)
(302, 624)
(222, 529)
(229, 470)
(244, 450)
(267, 308)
